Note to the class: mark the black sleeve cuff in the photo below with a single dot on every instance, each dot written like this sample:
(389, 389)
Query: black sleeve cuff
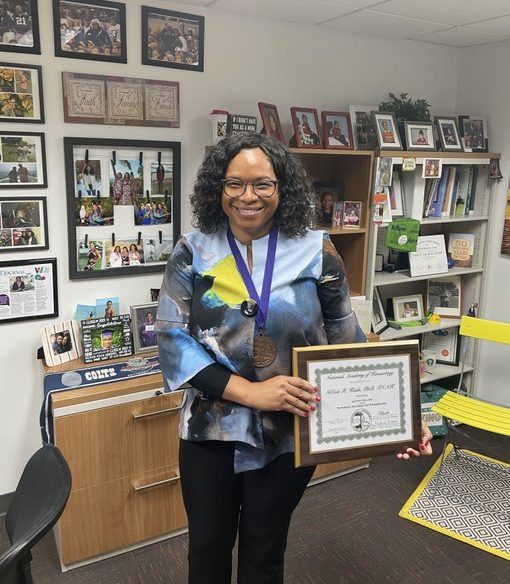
(211, 380)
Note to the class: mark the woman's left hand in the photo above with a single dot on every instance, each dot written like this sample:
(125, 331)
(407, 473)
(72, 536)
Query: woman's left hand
(425, 448)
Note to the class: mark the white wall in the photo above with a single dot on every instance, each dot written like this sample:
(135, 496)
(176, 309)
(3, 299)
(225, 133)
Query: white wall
(246, 60)
(484, 87)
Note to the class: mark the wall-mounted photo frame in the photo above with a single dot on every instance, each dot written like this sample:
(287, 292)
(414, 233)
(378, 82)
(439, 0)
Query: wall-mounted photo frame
(28, 289)
(408, 308)
(61, 342)
(473, 133)
(123, 205)
(106, 338)
(379, 320)
(363, 127)
(420, 135)
(327, 197)
(21, 93)
(143, 323)
(122, 101)
(172, 39)
(22, 160)
(23, 224)
(90, 29)
(271, 121)
(448, 133)
(307, 131)
(444, 296)
(445, 343)
(386, 130)
(20, 27)
(337, 130)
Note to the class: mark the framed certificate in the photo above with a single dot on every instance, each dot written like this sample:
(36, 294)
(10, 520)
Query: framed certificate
(370, 401)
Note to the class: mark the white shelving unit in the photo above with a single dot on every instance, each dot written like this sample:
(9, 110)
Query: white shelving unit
(401, 283)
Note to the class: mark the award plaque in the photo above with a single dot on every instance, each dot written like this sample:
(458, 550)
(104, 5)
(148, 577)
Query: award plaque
(370, 401)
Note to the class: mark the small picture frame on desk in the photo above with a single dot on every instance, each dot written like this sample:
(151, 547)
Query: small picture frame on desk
(61, 342)
(143, 319)
(408, 308)
(448, 134)
(106, 338)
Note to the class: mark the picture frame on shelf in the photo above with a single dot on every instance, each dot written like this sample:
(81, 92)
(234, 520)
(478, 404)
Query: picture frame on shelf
(29, 289)
(384, 171)
(420, 135)
(337, 130)
(448, 132)
(22, 160)
(127, 101)
(396, 192)
(143, 324)
(445, 343)
(101, 35)
(444, 296)
(61, 342)
(432, 168)
(379, 320)
(328, 195)
(23, 35)
(123, 205)
(106, 338)
(271, 121)
(473, 133)
(352, 214)
(23, 224)
(386, 128)
(21, 93)
(408, 308)
(363, 126)
(305, 122)
(184, 52)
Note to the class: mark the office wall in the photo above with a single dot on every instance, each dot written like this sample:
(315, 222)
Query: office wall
(246, 60)
(484, 87)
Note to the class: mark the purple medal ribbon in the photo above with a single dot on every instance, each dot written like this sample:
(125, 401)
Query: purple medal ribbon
(263, 301)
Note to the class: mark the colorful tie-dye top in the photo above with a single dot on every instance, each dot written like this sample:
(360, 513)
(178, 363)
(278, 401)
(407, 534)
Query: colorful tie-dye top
(199, 322)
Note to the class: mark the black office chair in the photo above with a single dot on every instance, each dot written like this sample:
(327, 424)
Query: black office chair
(38, 502)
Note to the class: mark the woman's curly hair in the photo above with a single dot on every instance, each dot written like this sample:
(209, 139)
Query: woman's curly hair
(294, 188)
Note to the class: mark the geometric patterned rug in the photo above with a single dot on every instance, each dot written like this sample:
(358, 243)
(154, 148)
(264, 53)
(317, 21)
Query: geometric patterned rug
(469, 501)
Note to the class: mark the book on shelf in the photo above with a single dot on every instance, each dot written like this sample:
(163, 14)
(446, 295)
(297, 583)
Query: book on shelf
(436, 206)
(453, 194)
(460, 249)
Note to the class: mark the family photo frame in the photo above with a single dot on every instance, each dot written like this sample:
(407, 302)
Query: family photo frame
(61, 342)
(386, 128)
(307, 132)
(143, 323)
(337, 130)
(23, 35)
(123, 205)
(21, 93)
(22, 160)
(408, 308)
(172, 39)
(90, 29)
(23, 224)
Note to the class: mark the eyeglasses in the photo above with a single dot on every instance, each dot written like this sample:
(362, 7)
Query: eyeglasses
(262, 188)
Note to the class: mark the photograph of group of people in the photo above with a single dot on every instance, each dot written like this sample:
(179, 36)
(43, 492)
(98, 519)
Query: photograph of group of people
(16, 93)
(16, 23)
(19, 159)
(22, 224)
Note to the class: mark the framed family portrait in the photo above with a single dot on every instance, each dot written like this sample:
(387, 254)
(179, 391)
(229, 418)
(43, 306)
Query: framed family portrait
(19, 32)
(328, 204)
(370, 401)
(22, 160)
(271, 121)
(420, 135)
(21, 93)
(61, 342)
(122, 101)
(306, 127)
(362, 123)
(106, 338)
(123, 205)
(172, 39)
(337, 130)
(351, 218)
(23, 224)
(386, 129)
(408, 308)
(448, 134)
(444, 296)
(90, 29)
(143, 321)
(473, 133)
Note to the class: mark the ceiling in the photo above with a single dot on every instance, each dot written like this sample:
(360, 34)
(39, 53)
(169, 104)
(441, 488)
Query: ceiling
(455, 23)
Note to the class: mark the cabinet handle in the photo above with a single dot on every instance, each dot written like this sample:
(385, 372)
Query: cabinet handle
(139, 488)
(156, 413)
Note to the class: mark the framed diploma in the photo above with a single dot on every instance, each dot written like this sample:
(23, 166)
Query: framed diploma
(370, 401)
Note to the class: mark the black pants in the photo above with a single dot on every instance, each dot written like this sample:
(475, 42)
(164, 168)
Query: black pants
(258, 503)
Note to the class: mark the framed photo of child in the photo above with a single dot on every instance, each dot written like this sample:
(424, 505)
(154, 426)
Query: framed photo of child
(306, 127)
(327, 198)
(271, 121)
(337, 130)
(352, 215)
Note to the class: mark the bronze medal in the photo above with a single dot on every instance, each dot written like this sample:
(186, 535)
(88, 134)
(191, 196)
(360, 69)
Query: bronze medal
(264, 351)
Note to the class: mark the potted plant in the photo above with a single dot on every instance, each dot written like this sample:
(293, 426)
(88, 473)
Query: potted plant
(406, 109)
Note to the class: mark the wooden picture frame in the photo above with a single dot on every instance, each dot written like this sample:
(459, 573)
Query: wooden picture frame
(23, 224)
(93, 39)
(22, 160)
(271, 121)
(61, 342)
(337, 130)
(123, 205)
(386, 130)
(162, 50)
(307, 132)
(344, 428)
(21, 93)
(420, 135)
(379, 320)
(23, 36)
(444, 296)
(143, 327)
(448, 132)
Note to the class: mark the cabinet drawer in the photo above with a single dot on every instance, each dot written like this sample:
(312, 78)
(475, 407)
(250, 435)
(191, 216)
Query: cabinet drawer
(109, 443)
(108, 517)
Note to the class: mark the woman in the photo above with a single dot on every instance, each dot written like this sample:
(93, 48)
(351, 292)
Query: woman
(116, 257)
(251, 205)
(134, 255)
(93, 256)
(124, 256)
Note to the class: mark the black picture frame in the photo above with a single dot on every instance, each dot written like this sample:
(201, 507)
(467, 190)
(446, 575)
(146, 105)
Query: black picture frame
(33, 19)
(153, 46)
(20, 90)
(19, 229)
(25, 177)
(450, 142)
(115, 56)
(106, 154)
(116, 328)
(21, 268)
